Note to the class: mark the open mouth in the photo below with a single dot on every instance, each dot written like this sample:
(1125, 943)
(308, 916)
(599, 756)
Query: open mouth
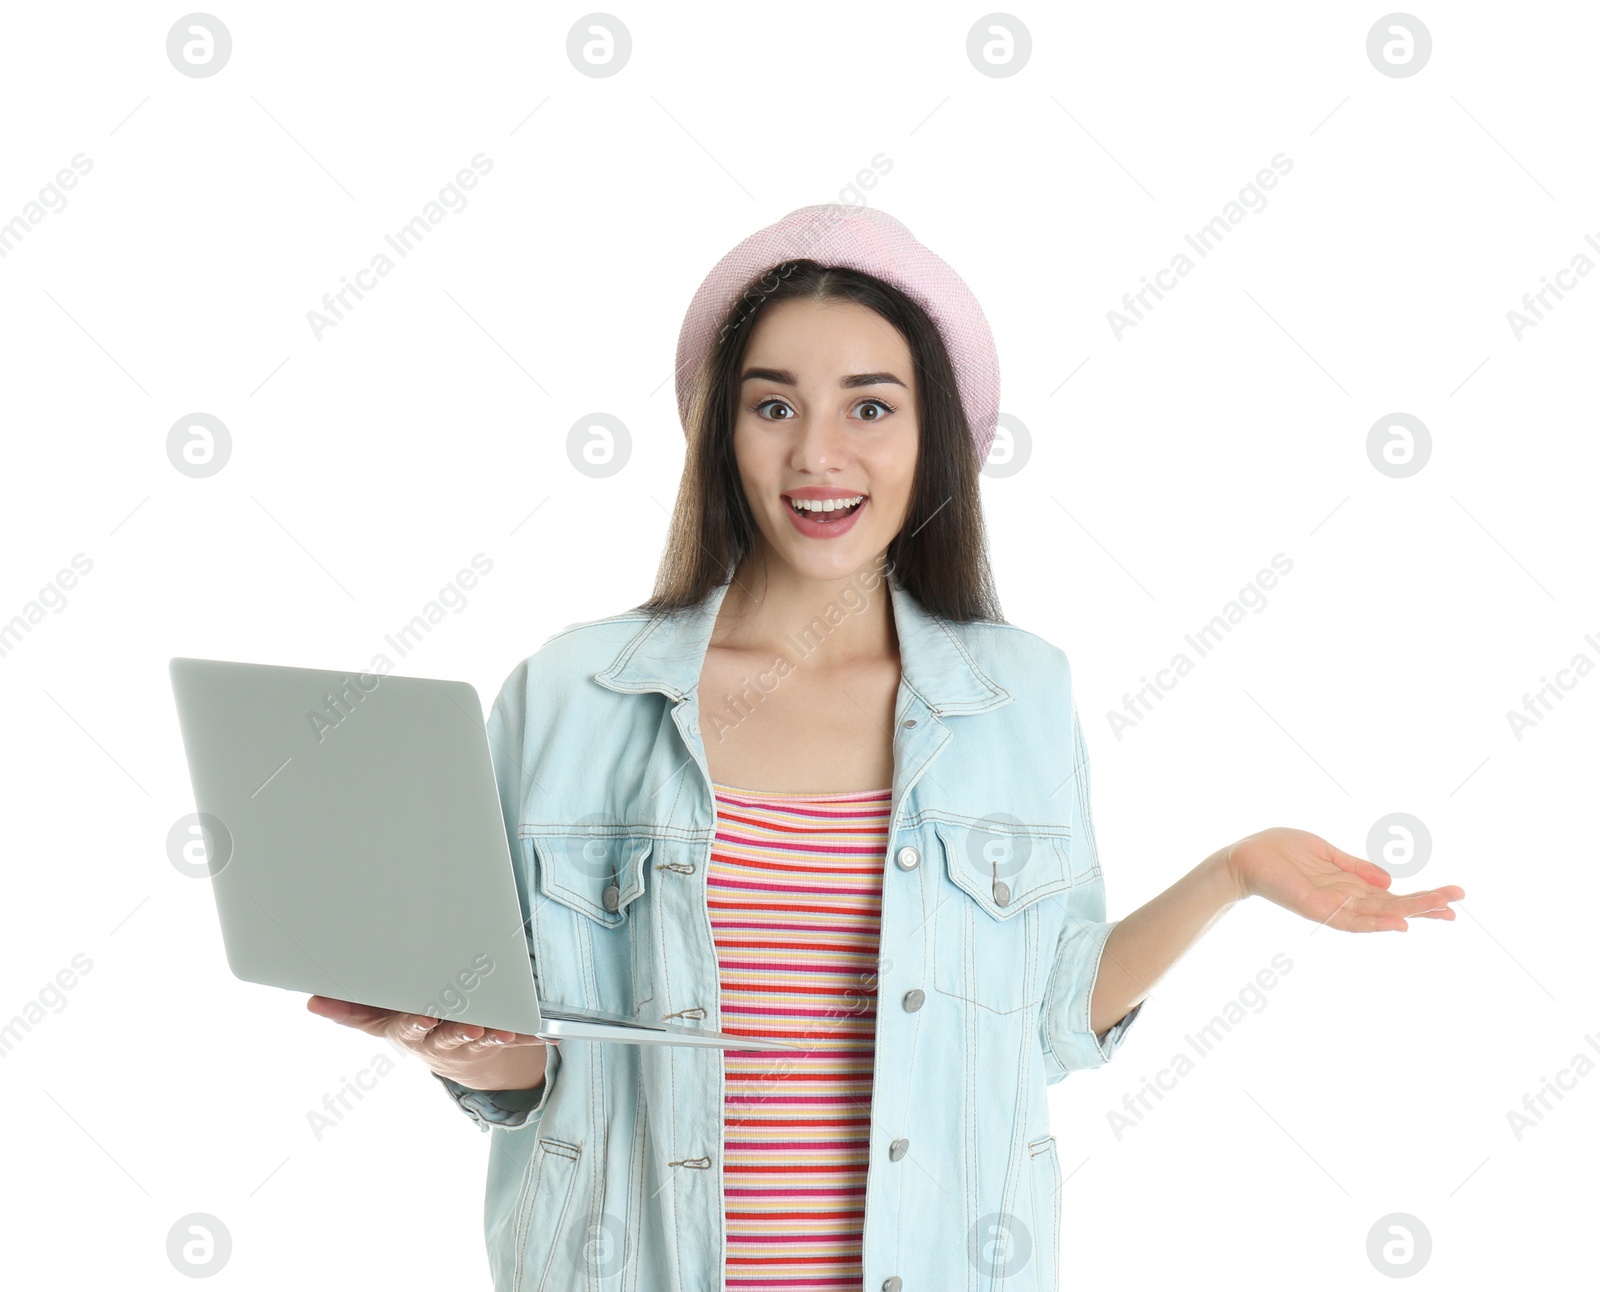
(827, 511)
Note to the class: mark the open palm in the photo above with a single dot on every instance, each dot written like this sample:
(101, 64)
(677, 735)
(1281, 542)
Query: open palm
(1309, 876)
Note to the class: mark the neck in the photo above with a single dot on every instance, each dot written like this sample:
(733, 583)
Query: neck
(772, 608)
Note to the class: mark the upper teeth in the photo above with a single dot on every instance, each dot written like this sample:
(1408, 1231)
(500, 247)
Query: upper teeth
(824, 504)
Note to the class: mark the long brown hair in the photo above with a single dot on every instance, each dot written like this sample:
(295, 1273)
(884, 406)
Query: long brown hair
(939, 555)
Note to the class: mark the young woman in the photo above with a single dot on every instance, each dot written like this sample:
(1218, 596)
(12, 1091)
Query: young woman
(817, 789)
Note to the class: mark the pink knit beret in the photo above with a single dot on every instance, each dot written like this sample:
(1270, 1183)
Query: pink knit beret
(866, 239)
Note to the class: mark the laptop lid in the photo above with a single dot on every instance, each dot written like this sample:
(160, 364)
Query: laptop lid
(356, 843)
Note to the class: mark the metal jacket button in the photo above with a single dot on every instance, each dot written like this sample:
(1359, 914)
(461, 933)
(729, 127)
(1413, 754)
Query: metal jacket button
(912, 1000)
(892, 1283)
(907, 858)
(1002, 892)
(897, 1149)
(611, 898)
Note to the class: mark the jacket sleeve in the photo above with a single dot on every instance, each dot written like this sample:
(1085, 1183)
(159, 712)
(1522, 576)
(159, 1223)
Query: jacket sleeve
(507, 722)
(507, 1109)
(1064, 1032)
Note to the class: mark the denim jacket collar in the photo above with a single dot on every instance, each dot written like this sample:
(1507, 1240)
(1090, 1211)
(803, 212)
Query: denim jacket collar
(667, 655)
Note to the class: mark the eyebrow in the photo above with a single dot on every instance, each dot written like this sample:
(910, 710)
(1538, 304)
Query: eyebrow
(786, 378)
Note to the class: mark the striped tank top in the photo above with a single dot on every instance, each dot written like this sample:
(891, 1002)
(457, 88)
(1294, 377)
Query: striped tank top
(793, 892)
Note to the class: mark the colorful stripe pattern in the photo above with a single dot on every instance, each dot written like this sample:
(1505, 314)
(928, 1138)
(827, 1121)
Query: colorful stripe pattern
(794, 891)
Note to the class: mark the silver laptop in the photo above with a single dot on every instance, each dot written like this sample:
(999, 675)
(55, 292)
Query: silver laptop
(357, 850)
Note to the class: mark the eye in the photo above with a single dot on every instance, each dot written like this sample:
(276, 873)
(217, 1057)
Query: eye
(773, 399)
(873, 399)
(756, 409)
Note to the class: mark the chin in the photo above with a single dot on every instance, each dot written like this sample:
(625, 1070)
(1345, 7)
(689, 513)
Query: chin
(839, 561)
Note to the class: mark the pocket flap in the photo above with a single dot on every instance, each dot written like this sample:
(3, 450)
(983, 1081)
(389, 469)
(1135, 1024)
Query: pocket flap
(597, 874)
(1004, 867)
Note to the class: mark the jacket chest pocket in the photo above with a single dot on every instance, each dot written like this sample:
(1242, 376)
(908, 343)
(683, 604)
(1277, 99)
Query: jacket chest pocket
(994, 931)
(590, 943)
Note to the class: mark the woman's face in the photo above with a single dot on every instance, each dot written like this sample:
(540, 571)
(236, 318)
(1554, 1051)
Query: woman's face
(827, 410)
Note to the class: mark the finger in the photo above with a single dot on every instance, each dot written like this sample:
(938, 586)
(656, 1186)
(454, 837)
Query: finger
(462, 1034)
(347, 1012)
(1377, 876)
(411, 1029)
(1349, 920)
(1440, 912)
(1397, 904)
(458, 1036)
(1434, 899)
(1378, 924)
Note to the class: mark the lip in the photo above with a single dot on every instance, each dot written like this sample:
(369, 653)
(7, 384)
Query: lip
(824, 529)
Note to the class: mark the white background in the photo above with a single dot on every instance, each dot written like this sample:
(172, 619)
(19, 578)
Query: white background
(431, 424)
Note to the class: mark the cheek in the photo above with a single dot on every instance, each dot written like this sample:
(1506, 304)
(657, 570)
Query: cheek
(754, 461)
(896, 473)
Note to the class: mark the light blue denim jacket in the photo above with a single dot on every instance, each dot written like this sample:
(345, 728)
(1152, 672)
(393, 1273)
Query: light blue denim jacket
(609, 1175)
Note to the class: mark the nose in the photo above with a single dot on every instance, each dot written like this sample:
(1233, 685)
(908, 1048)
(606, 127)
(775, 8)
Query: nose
(820, 443)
